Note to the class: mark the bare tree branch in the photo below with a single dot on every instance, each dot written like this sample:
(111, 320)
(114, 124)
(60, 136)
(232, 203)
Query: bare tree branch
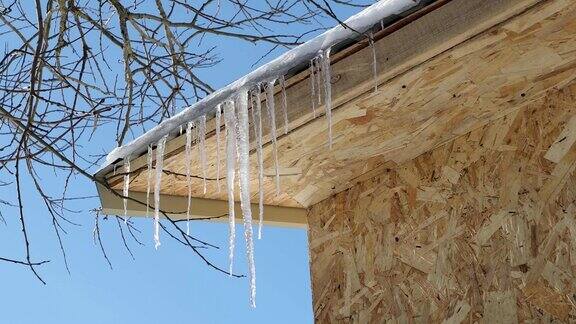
(75, 70)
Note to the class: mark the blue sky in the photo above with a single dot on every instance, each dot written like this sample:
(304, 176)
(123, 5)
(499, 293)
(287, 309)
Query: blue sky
(166, 286)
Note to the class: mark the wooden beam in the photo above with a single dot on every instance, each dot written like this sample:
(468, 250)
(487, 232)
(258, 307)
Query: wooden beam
(209, 209)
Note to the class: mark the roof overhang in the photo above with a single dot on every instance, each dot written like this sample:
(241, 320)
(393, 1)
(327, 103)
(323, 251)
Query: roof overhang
(445, 70)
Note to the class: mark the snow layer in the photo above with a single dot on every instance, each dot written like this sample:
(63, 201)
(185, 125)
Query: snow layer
(360, 22)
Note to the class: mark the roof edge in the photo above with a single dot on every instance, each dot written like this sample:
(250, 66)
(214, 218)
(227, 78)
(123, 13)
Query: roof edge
(301, 54)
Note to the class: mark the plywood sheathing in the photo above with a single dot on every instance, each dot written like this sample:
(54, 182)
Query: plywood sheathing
(493, 74)
(480, 229)
(468, 85)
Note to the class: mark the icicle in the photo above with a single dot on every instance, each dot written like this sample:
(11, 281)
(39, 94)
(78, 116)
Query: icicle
(374, 62)
(157, 187)
(327, 92)
(313, 87)
(318, 63)
(257, 122)
(272, 118)
(148, 180)
(188, 161)
(202, 147)
(231, 156)
(284, 104)
(126, 188)
(243, 146)
(218, 121)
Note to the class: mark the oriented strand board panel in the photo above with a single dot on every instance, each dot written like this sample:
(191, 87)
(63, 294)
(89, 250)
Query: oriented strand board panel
(436, 83)
(482, 229)
(497, 72)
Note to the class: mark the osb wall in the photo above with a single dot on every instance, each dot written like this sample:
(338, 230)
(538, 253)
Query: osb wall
(481, 229)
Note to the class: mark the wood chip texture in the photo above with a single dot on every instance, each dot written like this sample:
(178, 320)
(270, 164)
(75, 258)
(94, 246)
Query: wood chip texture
(480, 229)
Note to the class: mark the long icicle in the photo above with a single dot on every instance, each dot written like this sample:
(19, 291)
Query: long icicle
(313, 87)
(272, 117)
(218, 122)
(284, 104)
(244, 179)
(231, 156)
(327, 93)
(157, 187)
(374, 62)
(257, 122)
(126, 189)
(202, 147)
(318, 63)
(149, 177)
(188, 161)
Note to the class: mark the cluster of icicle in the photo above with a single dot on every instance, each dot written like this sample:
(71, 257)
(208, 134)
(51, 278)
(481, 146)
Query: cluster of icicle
(237, 147)
(320, 76)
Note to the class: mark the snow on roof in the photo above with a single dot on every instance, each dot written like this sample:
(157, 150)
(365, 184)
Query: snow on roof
(360, 22)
